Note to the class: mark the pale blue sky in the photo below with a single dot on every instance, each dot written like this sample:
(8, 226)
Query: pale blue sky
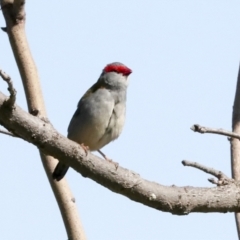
(184, 56)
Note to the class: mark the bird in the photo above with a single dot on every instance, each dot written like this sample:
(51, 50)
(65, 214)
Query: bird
(100, 114)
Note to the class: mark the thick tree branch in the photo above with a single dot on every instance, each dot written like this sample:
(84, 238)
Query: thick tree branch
(177, 200)
(235, 143)
(234, 140)
(201, 129)
(14, 14)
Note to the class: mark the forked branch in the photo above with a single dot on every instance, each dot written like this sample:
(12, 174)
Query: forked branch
(222, 178)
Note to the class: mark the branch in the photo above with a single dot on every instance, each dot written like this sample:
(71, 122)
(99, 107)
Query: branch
(235, 144)
(201, 129)
(177, 200)
(14, 14)
(222, 178)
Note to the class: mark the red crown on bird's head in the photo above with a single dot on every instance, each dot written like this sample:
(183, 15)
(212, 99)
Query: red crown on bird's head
(118, 68)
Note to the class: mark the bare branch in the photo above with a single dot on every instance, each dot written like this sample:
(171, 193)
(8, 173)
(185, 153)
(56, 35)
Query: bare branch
(201, 129)
(177, 200)
(235, 143)
(205, 169)
(7, 133)
(222, 178)
(11, 101)
(14, 14)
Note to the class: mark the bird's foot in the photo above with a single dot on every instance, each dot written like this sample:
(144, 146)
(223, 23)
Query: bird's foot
(85, 148)
(108, 159)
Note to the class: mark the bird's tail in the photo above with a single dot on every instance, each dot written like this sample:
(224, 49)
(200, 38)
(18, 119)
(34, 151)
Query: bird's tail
(60, 171)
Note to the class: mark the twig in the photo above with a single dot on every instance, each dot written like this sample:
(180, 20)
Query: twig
(222, 178)
(4, 29)
(201, 129)
(205, 169)
(12, 98)
(8, 133)
(213, 181)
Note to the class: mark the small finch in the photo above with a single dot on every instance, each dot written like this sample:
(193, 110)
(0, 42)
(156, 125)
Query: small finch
(100, 113)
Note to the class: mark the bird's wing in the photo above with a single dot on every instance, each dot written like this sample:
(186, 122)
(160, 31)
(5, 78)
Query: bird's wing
(98, 85)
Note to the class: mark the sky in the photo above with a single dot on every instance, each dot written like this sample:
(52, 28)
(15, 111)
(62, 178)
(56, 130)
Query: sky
(184, 56)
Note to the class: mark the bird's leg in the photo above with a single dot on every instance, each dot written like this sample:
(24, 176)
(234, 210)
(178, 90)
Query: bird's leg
(85, 148)
(104, 156)
(108, 159)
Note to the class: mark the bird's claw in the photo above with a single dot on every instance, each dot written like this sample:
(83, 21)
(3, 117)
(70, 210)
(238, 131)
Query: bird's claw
(85, 148)
(114, 163)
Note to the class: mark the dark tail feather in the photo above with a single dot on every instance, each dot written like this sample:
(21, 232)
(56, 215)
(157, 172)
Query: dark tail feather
(60, 171)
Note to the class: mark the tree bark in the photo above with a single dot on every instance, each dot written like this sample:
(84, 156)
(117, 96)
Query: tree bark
(14, 14)
(235, 143)
(176, 200)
